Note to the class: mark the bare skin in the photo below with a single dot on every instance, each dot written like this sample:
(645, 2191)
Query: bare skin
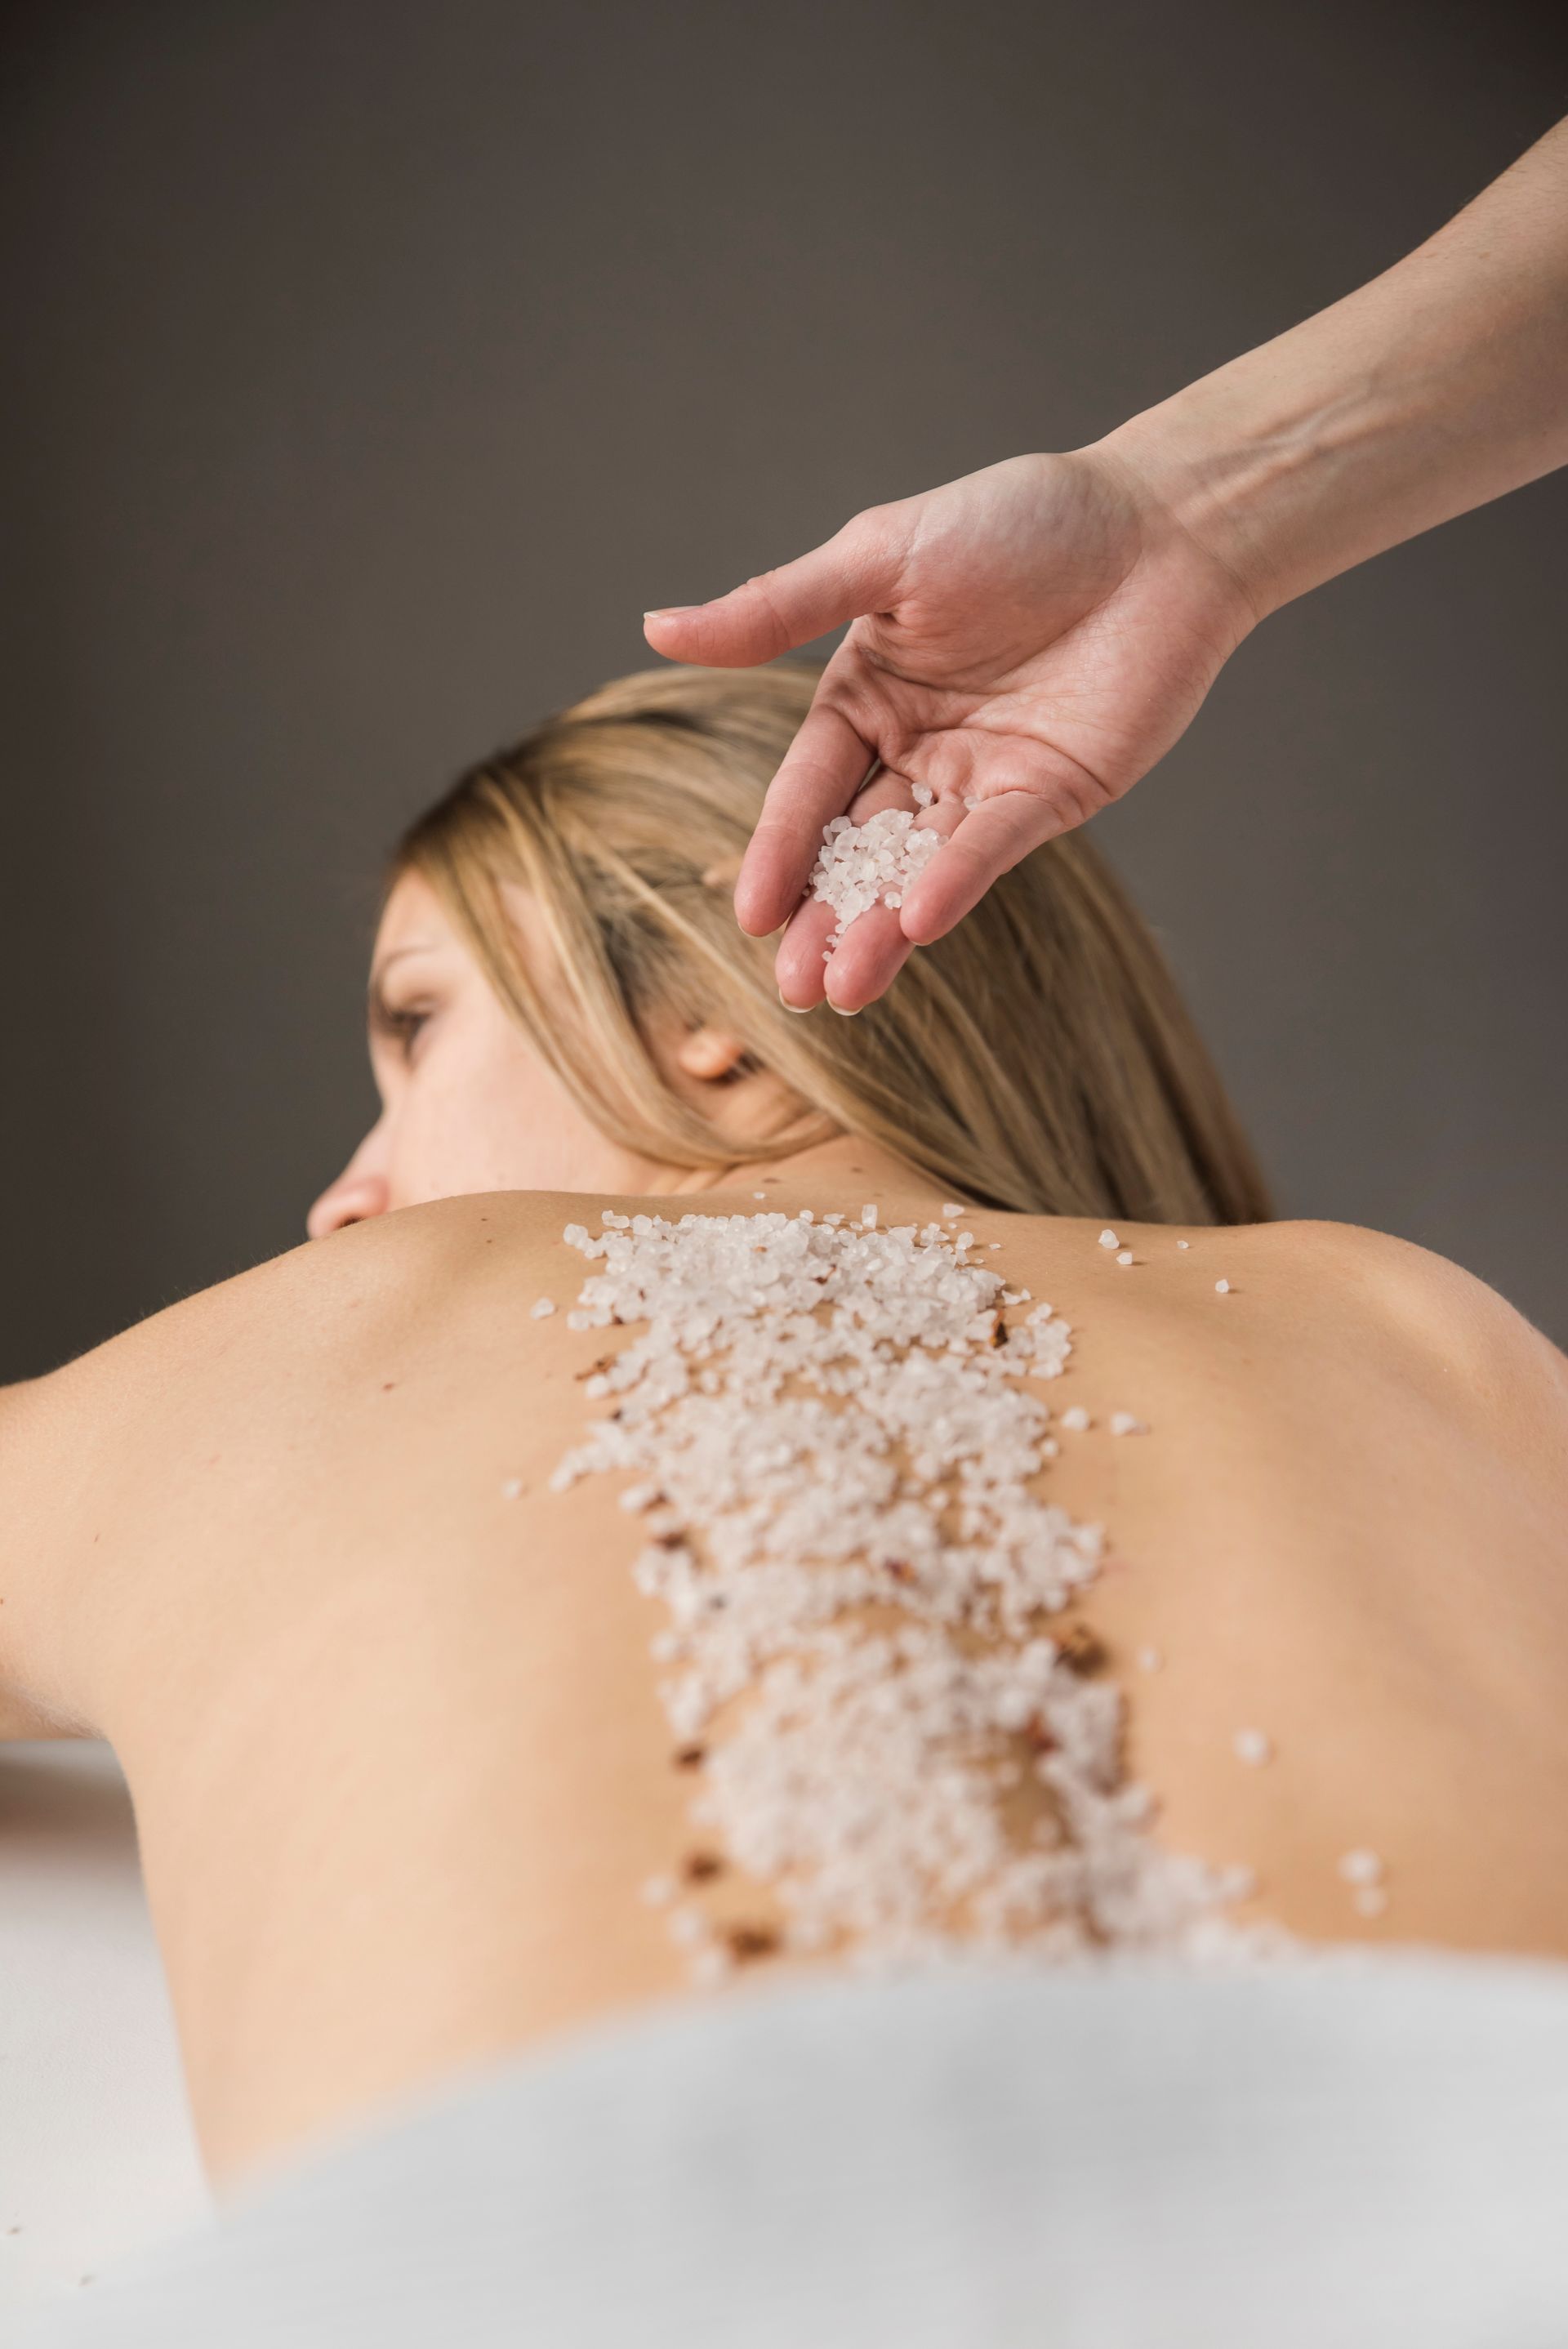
(398, 1762)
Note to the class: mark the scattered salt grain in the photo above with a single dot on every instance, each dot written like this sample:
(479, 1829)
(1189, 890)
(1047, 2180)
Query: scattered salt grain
(542, 1307)
(1222, 1287)
(952, 1208)
(1251, 1745)
(1124, 1256)
(1126, 1423)
(1076, 1419)
(658, 1892)
(1361, 1868)
(922, 794)
(1183, 1244)
(1108, 1238)
(512, 1489)
(760, 1195)
(868, 1218)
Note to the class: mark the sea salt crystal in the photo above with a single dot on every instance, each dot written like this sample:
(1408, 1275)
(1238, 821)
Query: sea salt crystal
(922, 794)
(1361, 1866)
(1126, 1423)
(1124, 1256)
(952, 1208)
(1251, 1745)
(788, 1463)
(861, 866)
(1183, 1244)
(1223, 1288)
(541, 1309)
(1108, 1238)
(1076, 1419)
(512, 1489)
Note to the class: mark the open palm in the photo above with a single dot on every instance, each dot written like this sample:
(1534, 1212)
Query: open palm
(1026, 643)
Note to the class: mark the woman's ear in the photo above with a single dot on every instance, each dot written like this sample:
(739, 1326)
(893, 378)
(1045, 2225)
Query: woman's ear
(712, 1054)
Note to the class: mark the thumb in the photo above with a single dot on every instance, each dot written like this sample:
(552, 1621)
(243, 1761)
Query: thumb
(856, 571)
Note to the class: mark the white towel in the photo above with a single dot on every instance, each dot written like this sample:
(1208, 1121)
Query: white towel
(1312, 2158)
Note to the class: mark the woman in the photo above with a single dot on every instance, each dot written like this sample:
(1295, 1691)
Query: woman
(380, 1675)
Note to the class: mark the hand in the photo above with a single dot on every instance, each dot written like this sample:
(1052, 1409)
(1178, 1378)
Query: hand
(1026, 642)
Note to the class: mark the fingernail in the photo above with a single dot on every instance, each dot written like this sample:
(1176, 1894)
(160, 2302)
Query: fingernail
(843, 1010)
(802, 1007)
(671, 611)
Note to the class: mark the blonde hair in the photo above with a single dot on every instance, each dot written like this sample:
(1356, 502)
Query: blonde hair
(1038, 1058)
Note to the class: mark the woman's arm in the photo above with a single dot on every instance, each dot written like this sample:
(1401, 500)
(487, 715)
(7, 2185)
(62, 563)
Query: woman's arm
(22, 1715)
(1027, 642)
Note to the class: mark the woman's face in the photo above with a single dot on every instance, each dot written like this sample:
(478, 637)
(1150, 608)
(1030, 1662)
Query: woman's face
(467, 1103)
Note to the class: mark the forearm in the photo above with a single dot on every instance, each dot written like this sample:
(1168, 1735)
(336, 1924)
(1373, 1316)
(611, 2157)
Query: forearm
(1441, 385)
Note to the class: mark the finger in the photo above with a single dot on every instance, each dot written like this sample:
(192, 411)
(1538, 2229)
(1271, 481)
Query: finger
(866, 960)
(872, 951)
(862, 966)
(988, 842)
(799, 965)
(874, 948)
(855, 571)
(822, 769)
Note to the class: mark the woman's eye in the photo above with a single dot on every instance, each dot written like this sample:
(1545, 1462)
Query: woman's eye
(401, 1027)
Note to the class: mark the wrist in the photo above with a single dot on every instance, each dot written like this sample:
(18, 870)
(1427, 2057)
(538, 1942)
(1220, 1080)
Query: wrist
(1261, 483)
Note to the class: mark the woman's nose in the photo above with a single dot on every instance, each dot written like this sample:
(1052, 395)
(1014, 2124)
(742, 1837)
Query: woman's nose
(353, 1198)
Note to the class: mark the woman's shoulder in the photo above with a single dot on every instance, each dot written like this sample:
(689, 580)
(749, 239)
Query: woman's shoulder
(1409, 1299)
(1397, 1276)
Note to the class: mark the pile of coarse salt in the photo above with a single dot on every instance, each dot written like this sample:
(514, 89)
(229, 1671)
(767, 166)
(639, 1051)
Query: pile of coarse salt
(860, 866)
(831, 1438)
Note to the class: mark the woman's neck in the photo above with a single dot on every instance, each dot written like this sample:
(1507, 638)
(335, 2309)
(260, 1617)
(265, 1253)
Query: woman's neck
(843, 1163)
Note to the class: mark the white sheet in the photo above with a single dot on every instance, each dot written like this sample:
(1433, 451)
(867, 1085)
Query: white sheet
(1367, 2158)
(97, 2152)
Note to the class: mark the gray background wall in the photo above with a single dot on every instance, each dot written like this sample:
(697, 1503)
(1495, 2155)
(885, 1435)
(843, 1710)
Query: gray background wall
(373, 365)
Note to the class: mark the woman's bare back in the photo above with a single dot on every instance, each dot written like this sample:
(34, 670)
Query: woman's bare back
(386, 1700)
